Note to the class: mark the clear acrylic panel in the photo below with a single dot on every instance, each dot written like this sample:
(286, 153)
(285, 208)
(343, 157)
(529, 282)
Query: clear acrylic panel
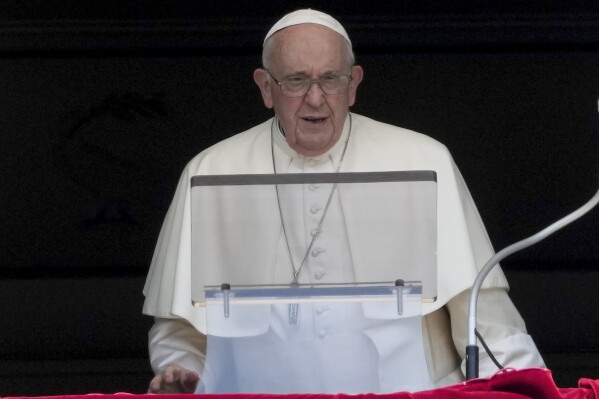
(382, 223)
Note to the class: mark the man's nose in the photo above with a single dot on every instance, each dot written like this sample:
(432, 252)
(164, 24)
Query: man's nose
(315, 95)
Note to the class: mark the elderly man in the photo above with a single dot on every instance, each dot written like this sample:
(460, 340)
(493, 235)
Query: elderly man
(310, 81)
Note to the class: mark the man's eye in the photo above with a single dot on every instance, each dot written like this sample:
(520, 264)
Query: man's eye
(295, 80)
(329, 78)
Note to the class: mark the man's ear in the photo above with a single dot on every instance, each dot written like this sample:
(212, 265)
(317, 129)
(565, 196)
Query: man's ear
(357, 75)
(264, 83)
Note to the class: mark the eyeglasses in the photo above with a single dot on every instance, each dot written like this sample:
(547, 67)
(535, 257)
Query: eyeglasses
(298, 86)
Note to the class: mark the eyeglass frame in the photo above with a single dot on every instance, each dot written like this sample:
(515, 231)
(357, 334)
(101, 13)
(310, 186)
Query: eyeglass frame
(310, 83)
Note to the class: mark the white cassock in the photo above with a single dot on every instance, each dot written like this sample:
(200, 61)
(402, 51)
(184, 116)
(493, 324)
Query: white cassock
(462, 248)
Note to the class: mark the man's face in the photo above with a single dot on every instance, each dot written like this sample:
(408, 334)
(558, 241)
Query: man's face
(312, 123)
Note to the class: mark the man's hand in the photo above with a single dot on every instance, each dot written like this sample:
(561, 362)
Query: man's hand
(174, 379)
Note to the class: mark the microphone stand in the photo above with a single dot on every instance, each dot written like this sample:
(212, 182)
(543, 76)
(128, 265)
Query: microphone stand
(472, 347)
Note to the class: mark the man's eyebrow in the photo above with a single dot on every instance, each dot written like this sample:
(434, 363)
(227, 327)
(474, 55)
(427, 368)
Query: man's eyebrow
(296, 73)
(305, 75)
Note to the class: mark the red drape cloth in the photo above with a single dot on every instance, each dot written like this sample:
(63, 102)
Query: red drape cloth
(506, 384)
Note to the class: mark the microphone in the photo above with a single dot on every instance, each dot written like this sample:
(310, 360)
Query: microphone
(472, 348)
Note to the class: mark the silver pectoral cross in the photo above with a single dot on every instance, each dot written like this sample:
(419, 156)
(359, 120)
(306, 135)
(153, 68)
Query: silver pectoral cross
(293, 308)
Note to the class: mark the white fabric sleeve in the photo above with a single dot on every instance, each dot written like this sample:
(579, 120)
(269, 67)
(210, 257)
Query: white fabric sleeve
(516, 351)
(502, 328)
(175, 341)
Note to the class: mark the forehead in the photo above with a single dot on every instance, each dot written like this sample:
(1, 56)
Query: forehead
(309, 48)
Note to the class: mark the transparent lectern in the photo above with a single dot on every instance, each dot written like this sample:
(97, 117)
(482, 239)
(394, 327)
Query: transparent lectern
(362, 248)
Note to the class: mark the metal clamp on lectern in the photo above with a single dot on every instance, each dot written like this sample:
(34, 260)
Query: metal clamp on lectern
(226, 289)
(399, 284)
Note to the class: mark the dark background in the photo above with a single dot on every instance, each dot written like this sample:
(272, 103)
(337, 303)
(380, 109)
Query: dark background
(103, 102)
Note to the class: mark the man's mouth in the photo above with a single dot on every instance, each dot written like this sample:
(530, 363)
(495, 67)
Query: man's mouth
(312, 119)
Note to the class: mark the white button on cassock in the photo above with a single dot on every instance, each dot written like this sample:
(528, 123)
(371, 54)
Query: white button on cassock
(319, 275)
(321, 310)
(317, 251)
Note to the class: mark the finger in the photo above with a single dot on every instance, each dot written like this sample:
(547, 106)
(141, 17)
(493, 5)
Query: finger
(189, 381)
(155, 384)
(171, 375)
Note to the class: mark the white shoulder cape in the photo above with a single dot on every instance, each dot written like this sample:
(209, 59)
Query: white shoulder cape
(463, 244)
